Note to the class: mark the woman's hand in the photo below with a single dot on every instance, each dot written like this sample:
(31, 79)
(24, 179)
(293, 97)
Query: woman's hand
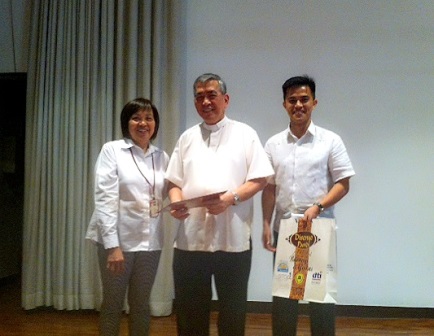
(115, 260)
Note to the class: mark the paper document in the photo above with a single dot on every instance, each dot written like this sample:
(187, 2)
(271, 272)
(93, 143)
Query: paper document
(193, 202)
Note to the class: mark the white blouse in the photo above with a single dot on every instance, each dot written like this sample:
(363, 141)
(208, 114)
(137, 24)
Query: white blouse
(125, 178)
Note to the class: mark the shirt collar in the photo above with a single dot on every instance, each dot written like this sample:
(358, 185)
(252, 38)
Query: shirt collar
(216, 127)
(311, 130)
(128, 143)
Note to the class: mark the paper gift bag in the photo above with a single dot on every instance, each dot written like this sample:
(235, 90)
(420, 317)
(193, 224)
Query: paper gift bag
(305, 264)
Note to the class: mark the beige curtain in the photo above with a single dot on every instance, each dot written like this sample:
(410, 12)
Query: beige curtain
(87, 59)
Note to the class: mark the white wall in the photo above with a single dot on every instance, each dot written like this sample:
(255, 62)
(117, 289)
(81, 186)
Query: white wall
(373, 63)
(374, 66)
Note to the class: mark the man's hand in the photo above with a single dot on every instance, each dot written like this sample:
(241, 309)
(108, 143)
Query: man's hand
(181, 213)
(217, 206)
(175, 195)
(312, 213)
(267, 239)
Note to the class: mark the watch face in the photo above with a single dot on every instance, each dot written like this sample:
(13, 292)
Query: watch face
(319, 205)
(236, 198)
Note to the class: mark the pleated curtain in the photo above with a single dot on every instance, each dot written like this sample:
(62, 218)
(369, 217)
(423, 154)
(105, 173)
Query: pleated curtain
(87, 59)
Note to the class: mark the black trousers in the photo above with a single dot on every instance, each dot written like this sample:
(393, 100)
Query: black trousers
(140, 271)
(193, 271)
(285, 315)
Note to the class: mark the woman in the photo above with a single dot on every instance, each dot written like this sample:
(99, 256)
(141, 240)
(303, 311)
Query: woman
(126, 223)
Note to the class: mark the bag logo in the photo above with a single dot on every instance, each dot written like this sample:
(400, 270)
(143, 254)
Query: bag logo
(299, 278)
(282, 267)
(303, 239)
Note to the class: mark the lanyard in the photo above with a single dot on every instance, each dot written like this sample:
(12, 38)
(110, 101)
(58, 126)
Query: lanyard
(153, 170)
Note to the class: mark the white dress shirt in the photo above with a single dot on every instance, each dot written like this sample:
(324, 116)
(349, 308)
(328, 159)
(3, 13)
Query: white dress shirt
(122, 196)
(306, 169)
(209, 159)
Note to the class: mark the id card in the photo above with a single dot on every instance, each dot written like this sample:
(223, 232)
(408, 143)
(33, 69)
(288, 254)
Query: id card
(154, 207)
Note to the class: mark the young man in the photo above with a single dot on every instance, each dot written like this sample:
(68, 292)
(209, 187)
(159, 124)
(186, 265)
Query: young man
(312, 173)
(216, 155)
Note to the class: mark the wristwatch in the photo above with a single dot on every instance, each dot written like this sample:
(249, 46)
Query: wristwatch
(237, 199)
(319, 205)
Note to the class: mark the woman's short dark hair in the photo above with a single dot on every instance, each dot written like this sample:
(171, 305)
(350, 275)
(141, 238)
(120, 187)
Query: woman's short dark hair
(134, 106)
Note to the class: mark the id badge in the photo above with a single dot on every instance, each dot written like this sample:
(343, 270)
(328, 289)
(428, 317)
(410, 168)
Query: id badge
(154, 207)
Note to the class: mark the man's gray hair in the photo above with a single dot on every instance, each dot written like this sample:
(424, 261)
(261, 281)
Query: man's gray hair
(209, 77)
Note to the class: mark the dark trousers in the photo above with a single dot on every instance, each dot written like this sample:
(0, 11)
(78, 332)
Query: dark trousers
(140, 271)
(285, 315)
(193, 271)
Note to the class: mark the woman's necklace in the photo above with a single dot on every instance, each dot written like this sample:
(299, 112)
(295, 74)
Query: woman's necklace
(154, 204)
